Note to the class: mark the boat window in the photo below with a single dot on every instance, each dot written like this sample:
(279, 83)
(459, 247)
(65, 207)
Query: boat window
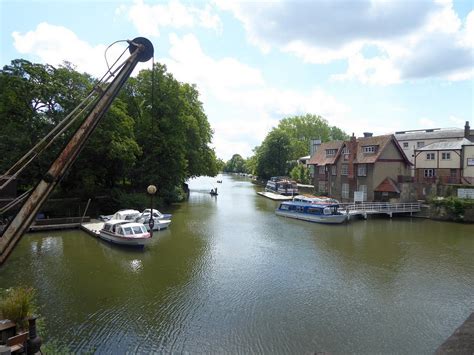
(327, 210)
(120, 231)
(313, 210)
(284, 207)
(127, 231)
(137, 230)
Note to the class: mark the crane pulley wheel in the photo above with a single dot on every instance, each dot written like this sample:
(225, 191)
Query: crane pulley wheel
(146, 51)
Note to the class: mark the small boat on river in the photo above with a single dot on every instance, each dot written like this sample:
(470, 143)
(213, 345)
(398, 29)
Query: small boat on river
(124, 232)
(319, 213)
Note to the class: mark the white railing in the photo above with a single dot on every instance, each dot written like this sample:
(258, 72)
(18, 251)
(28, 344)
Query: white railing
(381, 207)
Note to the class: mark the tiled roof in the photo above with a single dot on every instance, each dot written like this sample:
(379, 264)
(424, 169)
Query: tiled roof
(320, 158)
(379, 141)
(434, 134)
(388, 185)
(452, 145)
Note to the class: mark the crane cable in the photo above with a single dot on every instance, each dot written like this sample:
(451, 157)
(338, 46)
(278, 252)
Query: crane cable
(59, 129)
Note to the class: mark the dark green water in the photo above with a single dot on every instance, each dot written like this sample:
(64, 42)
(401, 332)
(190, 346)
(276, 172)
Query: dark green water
(231, 276)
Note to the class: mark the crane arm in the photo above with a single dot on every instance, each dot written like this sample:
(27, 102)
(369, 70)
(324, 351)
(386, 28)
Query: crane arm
(141, 50)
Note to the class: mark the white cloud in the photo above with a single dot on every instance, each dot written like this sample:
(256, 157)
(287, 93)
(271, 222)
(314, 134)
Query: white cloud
(415, 39)
(56, 44)
(148, 19)
(247, 106)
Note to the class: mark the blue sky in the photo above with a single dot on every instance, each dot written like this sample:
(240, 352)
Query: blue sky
(364, 65)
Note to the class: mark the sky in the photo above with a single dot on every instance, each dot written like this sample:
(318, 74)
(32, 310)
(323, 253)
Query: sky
(375, 66)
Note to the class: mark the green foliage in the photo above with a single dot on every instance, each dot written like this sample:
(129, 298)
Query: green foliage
(236, 165)
(301, 129)
(17, 304)
(454, 205)
(288, 142)
(143, 139)
(301, 174)
(220, 164)
(273, 155)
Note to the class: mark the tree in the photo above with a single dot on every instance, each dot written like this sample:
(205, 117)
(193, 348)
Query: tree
(273, 155)
(235, 165)
(155, 131)
(301, 129)
(171, 129)
(301, 174)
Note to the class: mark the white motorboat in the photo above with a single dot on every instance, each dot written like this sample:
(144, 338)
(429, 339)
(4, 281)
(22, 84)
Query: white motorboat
(125, 214)
(159, 219)
(124, 232)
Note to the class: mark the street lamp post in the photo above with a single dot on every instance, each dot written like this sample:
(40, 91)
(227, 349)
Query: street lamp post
(151, 189)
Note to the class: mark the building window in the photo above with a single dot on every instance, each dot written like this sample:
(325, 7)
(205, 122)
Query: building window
(334, 170)
(405, 144)
(362, 170)
(370, 149)
(430, 156)
(420, 144)
(331, 152)
(345, 190)
(345, 150)
(429, 172)
(446, 156)
(453, 173)
(322, 186)
(322, 170)
(344, 169)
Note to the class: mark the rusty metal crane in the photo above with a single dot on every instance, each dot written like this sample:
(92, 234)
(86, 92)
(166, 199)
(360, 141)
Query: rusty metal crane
(141, 50)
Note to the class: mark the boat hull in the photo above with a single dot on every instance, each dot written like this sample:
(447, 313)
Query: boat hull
(133, 242)
(327, 219)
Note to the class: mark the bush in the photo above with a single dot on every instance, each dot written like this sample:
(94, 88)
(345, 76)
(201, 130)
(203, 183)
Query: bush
(454, 205)
(17, 304)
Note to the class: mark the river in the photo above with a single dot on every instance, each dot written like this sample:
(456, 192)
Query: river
(231, 276)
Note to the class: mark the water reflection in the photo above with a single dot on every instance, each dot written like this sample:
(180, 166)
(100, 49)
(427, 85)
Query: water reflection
(231, 276)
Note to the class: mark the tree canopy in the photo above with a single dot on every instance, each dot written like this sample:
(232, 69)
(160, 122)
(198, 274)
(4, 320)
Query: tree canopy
(289, 141)
(155, 132)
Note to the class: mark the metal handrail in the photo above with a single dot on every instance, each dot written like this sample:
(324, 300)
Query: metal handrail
(381, 207)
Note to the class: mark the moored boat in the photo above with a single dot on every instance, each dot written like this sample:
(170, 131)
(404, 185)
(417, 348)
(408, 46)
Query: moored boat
(322, 200)
(281, 185)
(319, 213)
(124, 232)
(125, 214)
(160, 221)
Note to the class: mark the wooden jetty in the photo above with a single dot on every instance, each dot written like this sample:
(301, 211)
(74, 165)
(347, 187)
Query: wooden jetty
(92, 227)
(275, 197)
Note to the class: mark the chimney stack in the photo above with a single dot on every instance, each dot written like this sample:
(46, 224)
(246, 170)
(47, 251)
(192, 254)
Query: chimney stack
(367, 134)
(314, 145)
(467, 130)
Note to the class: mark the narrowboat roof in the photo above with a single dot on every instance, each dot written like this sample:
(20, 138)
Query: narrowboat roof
(304, 204)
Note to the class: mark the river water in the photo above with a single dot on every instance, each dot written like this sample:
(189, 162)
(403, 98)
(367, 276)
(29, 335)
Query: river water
(231, 276)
